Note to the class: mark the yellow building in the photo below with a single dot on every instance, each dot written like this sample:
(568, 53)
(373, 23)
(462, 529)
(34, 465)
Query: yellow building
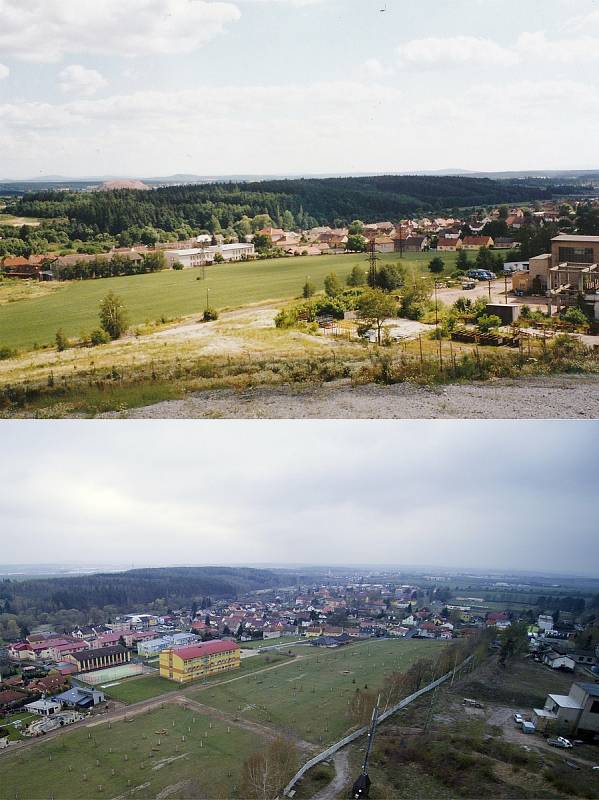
(185, 664)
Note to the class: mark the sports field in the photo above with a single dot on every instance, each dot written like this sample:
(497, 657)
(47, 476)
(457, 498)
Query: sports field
(310, 697)
(139, 758)
(73, 307)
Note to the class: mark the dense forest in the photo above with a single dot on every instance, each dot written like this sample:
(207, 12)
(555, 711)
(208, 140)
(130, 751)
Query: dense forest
(302, 203)
(81, 599)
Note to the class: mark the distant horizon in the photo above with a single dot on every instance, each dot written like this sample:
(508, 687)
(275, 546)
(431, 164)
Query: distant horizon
(250, 176)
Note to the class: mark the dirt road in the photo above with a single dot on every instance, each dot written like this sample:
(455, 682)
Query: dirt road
(341, 779)
(571, 396)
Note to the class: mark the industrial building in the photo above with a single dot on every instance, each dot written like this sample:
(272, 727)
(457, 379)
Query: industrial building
(201, 256)
(199, 661)
(576, 713)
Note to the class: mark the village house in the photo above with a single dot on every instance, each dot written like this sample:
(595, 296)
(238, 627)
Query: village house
(449, 245)
(476, 242)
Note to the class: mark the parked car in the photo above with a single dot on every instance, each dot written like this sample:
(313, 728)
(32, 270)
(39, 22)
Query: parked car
(560, 741)
(518, 719)
(469, 285)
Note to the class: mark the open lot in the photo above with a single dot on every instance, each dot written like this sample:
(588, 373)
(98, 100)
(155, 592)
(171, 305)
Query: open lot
(310, 697)
(141, 758)
(74, 306)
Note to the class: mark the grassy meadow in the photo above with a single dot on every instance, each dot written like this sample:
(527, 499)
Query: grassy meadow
(310, 698)
(140, 757)
(73, 306)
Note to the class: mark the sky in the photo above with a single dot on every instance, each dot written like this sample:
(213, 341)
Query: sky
(220, 87)
(491, 495)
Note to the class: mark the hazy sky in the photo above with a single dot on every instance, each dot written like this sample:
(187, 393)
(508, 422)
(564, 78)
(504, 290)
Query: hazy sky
(480, 494)
(152, 87)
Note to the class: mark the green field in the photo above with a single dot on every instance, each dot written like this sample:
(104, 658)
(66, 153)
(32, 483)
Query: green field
(134, 690)
(77, 763)
(310, 697)
(74, 306)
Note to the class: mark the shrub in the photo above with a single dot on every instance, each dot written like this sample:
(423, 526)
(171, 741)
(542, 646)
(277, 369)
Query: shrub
(574, 316)
(488, 321)
(210, 314)
(177, 266)
(98, 337)
(6, 352)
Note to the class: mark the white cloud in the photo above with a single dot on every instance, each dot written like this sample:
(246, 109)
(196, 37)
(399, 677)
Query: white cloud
(530, 47)
(536, 46)
(76, 79)
(373, 69)
(4, 72)
(454, 50)
(47, 30)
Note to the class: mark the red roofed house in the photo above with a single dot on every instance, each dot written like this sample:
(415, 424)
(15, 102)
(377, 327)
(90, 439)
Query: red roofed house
(475, 242)
(449, 245)
(184, 664)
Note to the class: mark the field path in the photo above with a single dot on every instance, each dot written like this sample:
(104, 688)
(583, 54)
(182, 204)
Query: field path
(267, 731)
(341, 779)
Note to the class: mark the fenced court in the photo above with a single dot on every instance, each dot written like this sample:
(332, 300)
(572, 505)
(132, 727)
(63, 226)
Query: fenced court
(111, 674)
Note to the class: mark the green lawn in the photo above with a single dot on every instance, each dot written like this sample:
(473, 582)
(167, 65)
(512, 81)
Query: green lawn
(133, 690)
(74, 306)
(310, 697)
(77, 763)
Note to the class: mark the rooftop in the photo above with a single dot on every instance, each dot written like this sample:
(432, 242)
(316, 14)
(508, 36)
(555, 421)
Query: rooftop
(564, 701)
(590, 688)
(567, 237)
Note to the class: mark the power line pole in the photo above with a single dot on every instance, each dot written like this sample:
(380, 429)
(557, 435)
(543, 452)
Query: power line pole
(373, 260)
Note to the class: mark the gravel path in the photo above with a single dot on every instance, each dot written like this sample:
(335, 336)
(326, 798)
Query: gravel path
(569, 396)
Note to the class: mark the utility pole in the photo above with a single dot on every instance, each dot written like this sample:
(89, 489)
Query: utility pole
(373, 263)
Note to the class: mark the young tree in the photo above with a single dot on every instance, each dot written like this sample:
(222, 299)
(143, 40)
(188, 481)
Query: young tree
(357, 277)
(61, 340)
(374, 307)
(113, 316)
(436, 265)
(462, 261)
(332, 285)
(309, 289)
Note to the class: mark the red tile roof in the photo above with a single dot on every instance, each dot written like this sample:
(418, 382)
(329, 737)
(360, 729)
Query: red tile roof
(205, 649)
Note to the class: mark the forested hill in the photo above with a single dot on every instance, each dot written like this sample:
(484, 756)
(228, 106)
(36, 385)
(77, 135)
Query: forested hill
(303, 203)
(129, 591)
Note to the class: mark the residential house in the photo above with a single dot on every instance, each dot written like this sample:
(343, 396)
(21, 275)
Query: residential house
(445, 245)
(476, 242)
(558, 661)
(411, 244)
(44, 707)
(81, 697)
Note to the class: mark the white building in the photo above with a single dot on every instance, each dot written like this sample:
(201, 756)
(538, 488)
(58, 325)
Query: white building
(545, 622)
(200, 256)
(152, 647)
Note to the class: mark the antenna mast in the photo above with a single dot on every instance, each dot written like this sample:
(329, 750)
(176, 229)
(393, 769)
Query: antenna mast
(361, 788)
